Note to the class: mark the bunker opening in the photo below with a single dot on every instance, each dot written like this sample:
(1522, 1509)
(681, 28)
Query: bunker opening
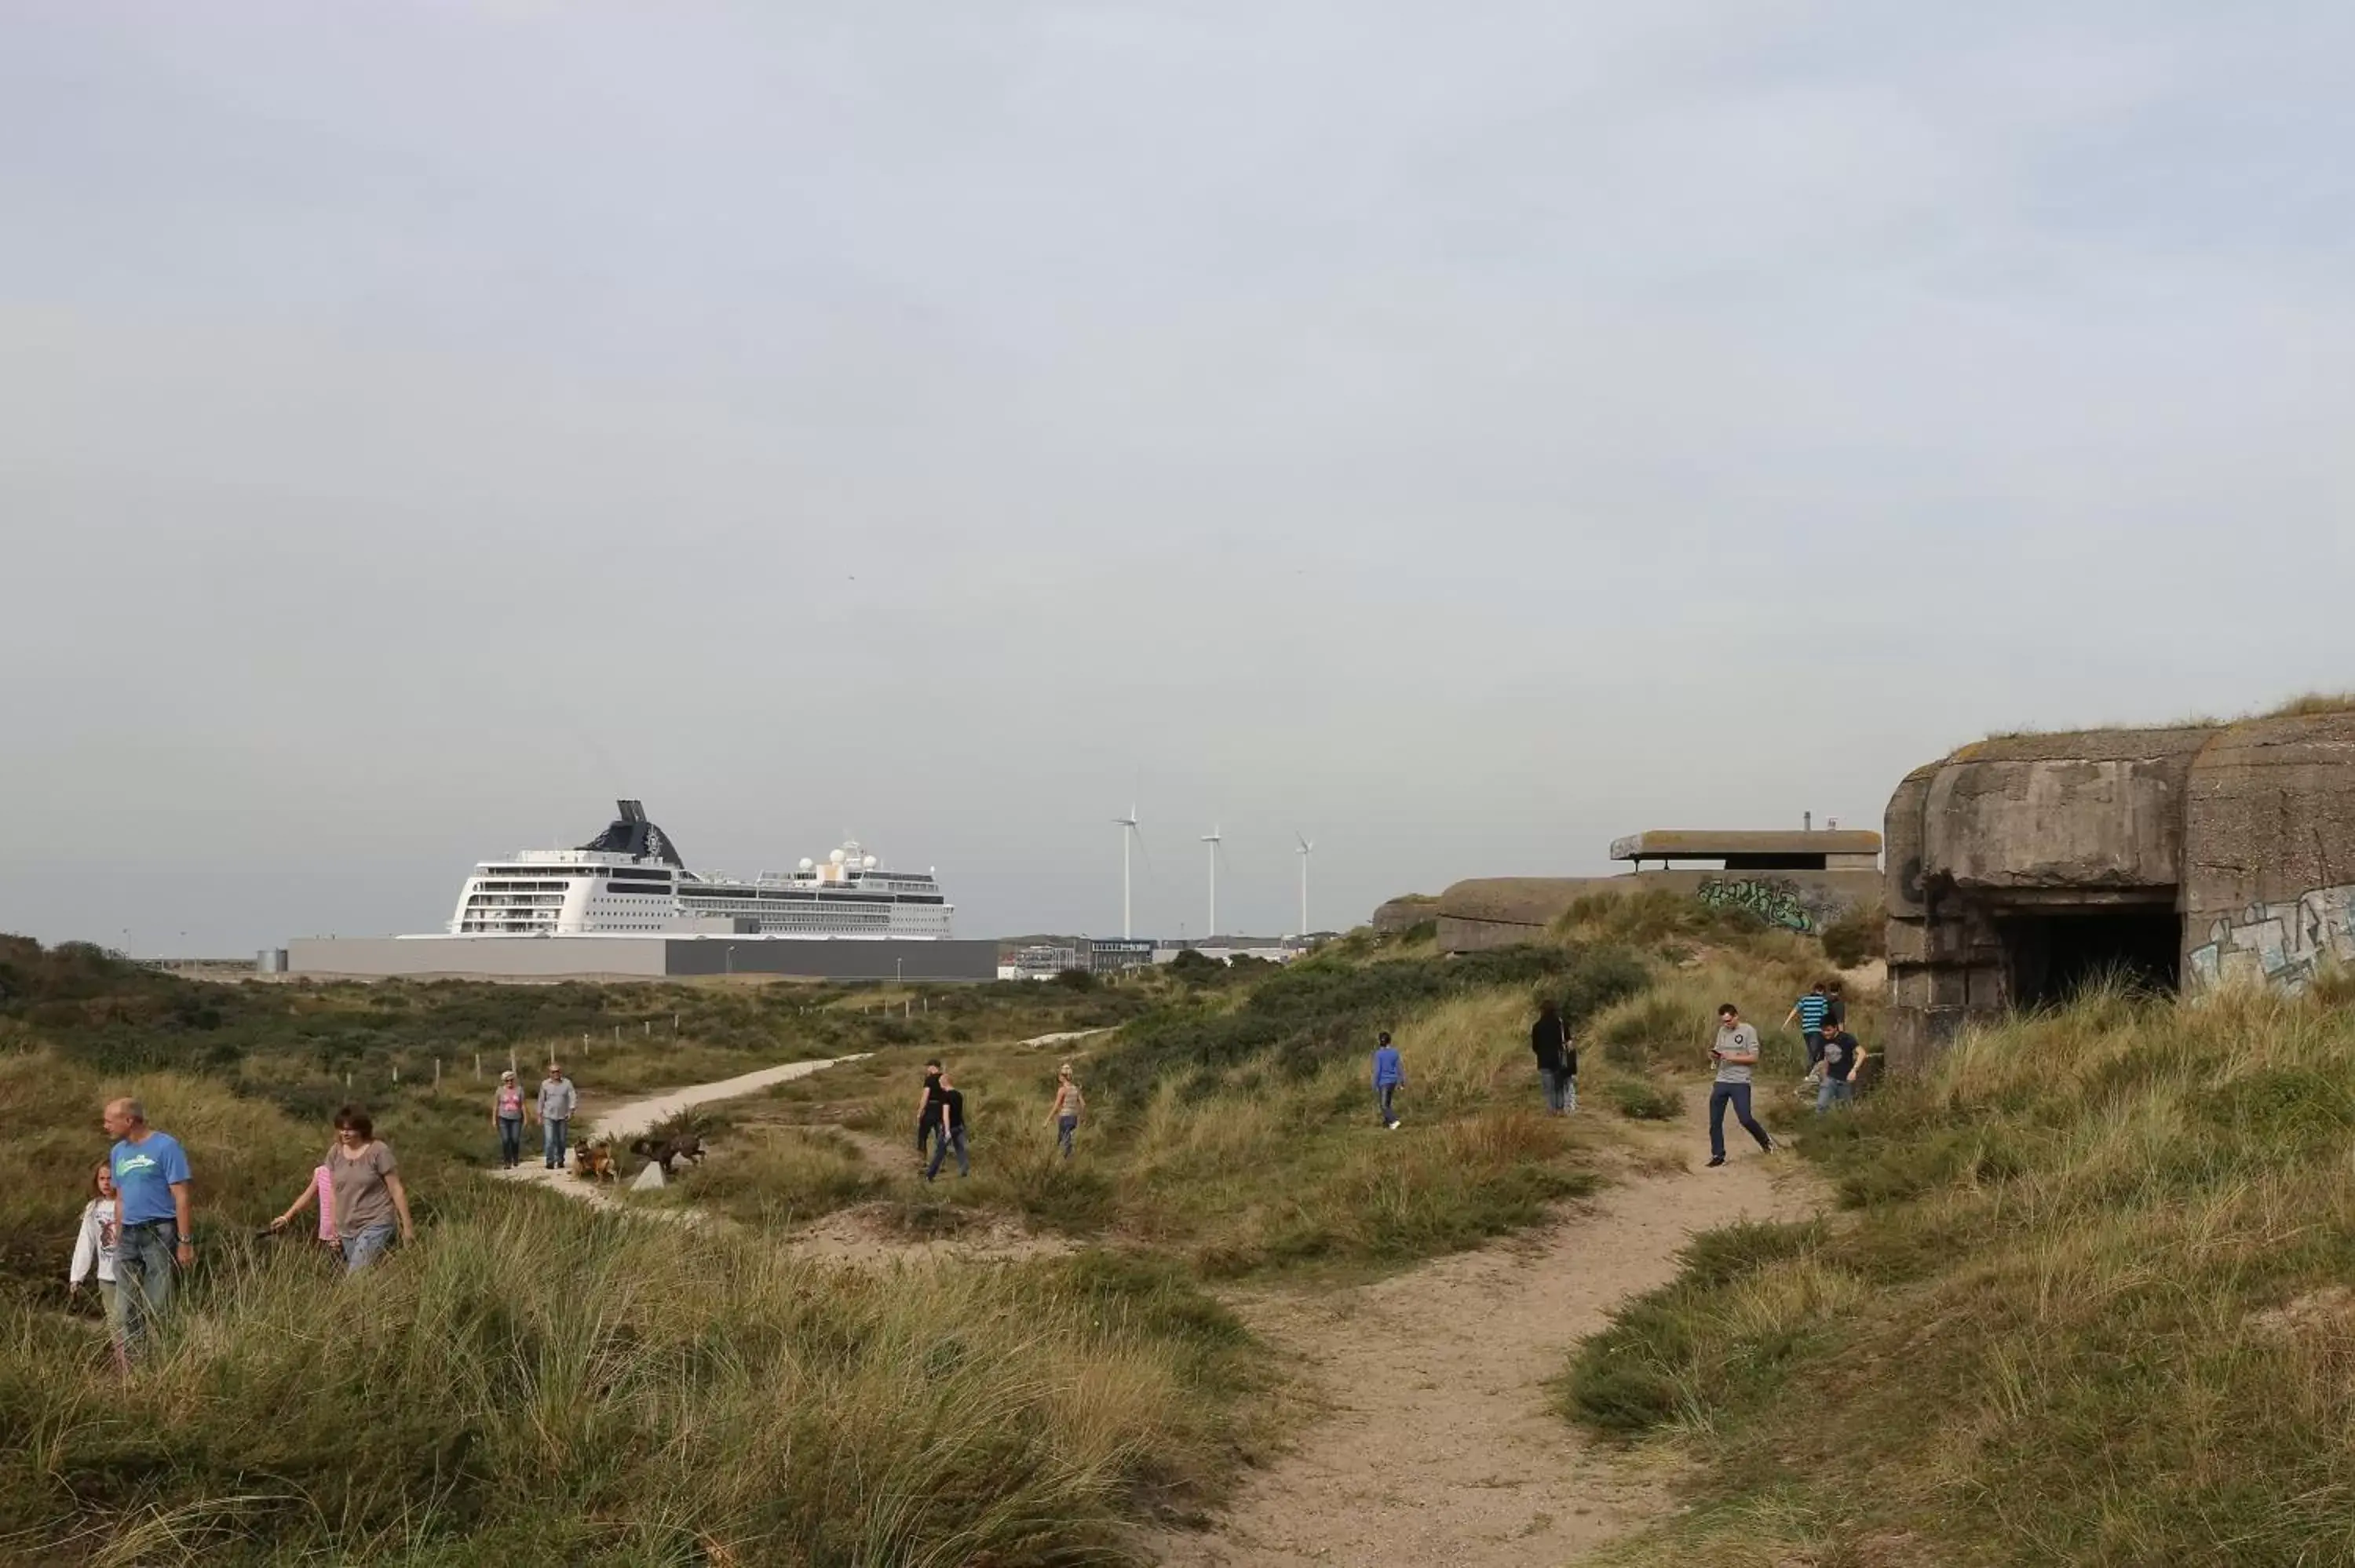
(2053, 954)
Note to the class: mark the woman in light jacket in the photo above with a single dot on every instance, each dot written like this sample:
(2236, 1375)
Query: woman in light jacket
(94, 1247)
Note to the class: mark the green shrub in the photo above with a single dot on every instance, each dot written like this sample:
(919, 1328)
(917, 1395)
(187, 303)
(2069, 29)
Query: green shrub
(1644, 1101)
(1859, 935)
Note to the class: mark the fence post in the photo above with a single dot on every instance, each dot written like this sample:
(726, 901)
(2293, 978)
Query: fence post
(437, 1072)
(478, 1064)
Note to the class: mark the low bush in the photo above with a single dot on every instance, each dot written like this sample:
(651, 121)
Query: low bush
(1857, 936)
(1644, 1100)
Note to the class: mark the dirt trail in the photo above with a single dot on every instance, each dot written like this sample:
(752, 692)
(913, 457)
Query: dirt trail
(1437, 1444)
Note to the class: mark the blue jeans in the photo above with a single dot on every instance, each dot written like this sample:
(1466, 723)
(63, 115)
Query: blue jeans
(366, 1247)
(1382, 1093)
(1834, 1092)
(142, 1280)
(1561, 1088)
(1815, 1039)
(941, 1146)
(510, 1140)
(1738, 1096)
(551, 1140)
(1065, 1128)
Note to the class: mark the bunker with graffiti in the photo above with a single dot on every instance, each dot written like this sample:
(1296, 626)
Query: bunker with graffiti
(2191, 856)
(1802, 880)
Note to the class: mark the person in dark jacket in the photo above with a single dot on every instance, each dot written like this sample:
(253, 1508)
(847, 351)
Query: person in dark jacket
(950, 1135)
(1557, 1060)
(928, 1109)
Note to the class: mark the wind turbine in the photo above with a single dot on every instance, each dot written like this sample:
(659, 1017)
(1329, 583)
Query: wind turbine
(1306, 849)
(1211, 838)
(1127, 826)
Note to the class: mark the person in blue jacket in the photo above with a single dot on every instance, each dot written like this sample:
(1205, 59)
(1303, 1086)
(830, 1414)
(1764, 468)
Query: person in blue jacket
(1390, 1076)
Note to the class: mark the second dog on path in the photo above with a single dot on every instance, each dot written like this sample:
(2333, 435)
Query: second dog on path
(665, 1151)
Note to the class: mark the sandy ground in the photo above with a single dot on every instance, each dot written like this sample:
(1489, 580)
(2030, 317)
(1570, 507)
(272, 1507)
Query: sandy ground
(1064, 1037)
(1437, 1444)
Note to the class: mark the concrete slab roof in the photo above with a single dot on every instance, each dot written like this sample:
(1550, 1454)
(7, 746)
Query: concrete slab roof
(1694, 843)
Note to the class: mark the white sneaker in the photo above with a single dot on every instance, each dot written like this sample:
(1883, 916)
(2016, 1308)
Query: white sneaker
(1394, 1127)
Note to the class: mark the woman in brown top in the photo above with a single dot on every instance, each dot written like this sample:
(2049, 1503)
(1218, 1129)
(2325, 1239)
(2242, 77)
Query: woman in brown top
(368, 1196)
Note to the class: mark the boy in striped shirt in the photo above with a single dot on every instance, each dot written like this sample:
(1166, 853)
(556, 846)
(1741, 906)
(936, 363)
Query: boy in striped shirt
(1808, 1013)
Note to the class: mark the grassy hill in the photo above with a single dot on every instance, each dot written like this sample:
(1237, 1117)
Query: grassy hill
(2084, 1300)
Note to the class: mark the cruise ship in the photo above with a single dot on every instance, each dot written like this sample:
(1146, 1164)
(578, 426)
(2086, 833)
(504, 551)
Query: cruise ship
(631, 879)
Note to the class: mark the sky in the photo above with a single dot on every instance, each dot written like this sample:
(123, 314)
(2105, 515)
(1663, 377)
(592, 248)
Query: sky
(1457, 435)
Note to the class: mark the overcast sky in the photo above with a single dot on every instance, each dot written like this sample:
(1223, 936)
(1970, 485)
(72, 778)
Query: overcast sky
(1458, 433)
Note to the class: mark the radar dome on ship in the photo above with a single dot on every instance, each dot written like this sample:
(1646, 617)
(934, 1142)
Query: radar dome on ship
(835, 858)
(808, 864)
(870, 863)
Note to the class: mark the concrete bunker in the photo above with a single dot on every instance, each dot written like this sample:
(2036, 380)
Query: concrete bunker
(1801, 881)
(2020, 867)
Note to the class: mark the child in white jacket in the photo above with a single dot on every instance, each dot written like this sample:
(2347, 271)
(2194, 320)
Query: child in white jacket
(95, 1245)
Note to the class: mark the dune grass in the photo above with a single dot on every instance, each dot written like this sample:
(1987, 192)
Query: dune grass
(2090, 1308)
(1235, 1128)
(538, 1384)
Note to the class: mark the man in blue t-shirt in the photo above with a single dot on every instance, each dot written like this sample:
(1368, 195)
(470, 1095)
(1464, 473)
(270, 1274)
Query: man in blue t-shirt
(152, 1232)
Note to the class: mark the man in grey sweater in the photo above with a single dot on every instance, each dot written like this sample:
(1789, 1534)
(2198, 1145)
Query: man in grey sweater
(557, 1099)
(1733, 1054)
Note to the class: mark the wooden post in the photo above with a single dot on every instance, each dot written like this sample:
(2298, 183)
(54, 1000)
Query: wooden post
(437, 1072)
(478, 1065)
(396, 1074)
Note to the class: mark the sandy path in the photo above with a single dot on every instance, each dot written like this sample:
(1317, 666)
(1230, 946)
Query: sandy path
(1437, 1444)
(634, 1119)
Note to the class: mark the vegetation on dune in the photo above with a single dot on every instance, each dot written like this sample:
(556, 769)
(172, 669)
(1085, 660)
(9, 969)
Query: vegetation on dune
(537, 1380)
(118, 1016)
(541, 1385)
(2090, 1307)
(1300, 1020)
(1233, 1125)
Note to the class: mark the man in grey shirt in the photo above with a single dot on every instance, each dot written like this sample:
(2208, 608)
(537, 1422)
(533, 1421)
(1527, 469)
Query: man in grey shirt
(1736, 1053)
(557, 1099)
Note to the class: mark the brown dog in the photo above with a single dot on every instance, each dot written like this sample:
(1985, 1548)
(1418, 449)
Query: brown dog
(594, 1162)
(664, 1151)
